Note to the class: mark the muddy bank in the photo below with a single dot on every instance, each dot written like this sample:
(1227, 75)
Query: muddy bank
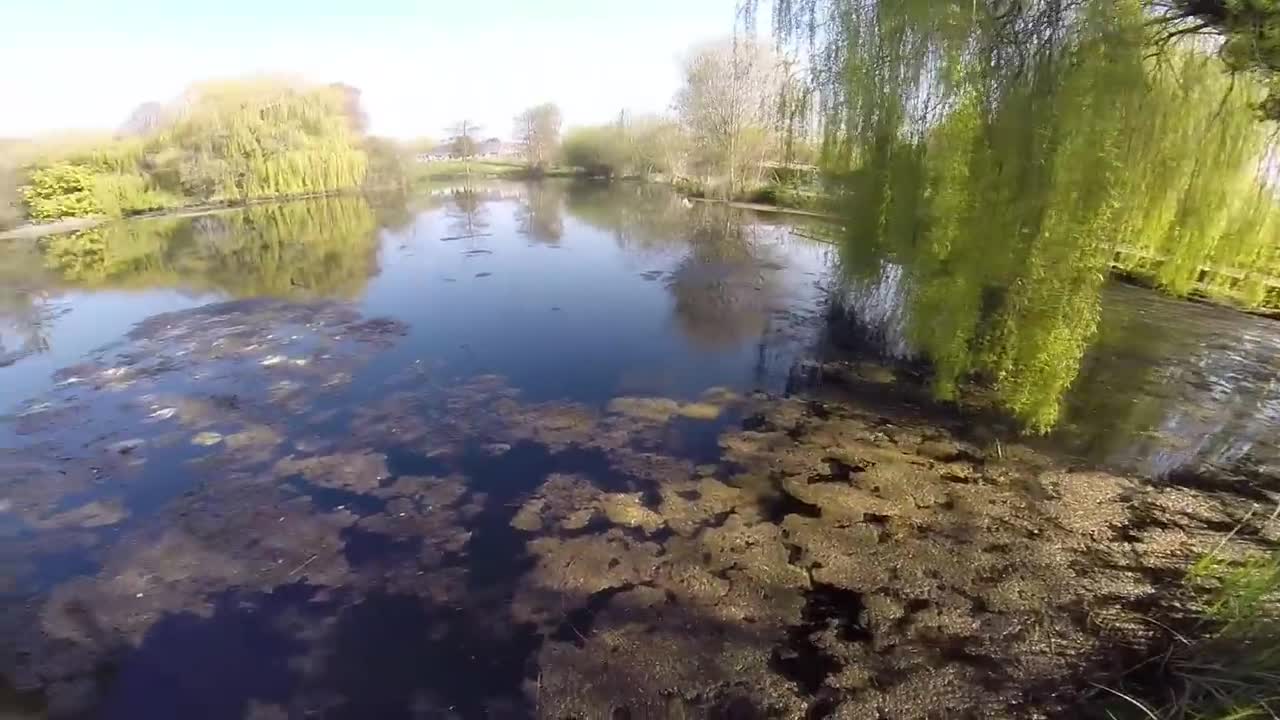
(202, 522)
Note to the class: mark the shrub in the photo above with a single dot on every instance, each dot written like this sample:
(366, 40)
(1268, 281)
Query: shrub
(61, 190)
(599, 151)
(130, 194)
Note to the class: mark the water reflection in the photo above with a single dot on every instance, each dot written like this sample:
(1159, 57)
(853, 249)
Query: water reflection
(542, 213)
(466, 211)
(1172, 388)
(316, 248)
(725, 288)
(1165, 388)
(25, 304)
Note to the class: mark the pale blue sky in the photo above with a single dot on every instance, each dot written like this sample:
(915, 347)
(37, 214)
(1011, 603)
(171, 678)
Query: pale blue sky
(422, 65)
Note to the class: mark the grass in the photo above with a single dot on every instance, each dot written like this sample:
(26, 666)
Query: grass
(789, 195)
(785, 196)
(1228, 667)
(454, 169)
(1233, 671)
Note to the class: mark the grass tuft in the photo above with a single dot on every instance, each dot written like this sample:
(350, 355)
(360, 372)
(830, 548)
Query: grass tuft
(1228, 666)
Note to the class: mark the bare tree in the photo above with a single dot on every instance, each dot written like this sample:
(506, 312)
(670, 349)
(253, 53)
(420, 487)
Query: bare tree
(464, 142)
(727, 107)
(537, 130)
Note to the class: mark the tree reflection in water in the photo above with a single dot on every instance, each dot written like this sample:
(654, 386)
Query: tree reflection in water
(315, 248)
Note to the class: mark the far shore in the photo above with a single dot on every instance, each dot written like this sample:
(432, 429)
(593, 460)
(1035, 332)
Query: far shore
(37, 230)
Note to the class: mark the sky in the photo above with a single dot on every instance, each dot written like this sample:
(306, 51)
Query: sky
(422, 66)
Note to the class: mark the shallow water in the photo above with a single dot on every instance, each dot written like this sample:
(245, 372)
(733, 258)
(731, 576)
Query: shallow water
(525, 451)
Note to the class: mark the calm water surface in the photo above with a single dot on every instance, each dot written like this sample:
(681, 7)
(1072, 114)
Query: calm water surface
(289, 459)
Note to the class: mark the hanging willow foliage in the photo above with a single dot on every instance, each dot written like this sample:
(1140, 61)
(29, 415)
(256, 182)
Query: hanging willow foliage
(236, 141)
(1006, 154)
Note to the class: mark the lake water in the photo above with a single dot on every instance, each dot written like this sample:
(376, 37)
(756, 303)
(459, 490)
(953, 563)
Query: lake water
(562, 451)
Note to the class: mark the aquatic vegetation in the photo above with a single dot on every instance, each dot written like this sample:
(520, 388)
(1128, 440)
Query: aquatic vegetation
(388, 524)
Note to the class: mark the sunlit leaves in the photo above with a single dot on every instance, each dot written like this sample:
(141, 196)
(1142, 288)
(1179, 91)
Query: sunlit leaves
(1007, 155)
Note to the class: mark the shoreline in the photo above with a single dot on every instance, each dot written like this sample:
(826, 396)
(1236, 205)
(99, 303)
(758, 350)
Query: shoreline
(35, 231)
(765, 208)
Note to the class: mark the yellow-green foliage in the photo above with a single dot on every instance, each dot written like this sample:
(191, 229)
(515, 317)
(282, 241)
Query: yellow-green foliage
(263, 139)
(1005, 175)
(228, 142)
(59, 191)
(321, 247)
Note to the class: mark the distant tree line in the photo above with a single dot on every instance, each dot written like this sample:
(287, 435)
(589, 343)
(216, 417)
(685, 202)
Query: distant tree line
(737, 125)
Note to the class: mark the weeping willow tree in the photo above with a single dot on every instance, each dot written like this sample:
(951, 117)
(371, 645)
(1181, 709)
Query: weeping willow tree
(265, 138)
(223, 142)
(1005, 155)
(317, 248)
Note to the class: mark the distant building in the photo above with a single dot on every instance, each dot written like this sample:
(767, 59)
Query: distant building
(436, 154)
(490, 149)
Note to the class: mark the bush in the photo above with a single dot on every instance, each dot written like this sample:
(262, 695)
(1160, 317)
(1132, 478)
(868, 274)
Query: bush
(60, 191)
(599, 151)
(786, 196)
(119, 195)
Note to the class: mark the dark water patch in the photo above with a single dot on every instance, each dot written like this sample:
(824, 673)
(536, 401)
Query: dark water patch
(403, 461)
(577, 624)
(795, 553)
(827, 607)
(496, 552)
(385, 656)
(396, 656)
(699, 440)
(330, 499)
(52, 568)
(736, 707)
(777, 505)
(189, 666)
(841, 471)
(596, 526)
(18, 704)
(1207, 478)
(162, 474)
(824, 705)
(718, 520)
(637, 535)
(363, 547)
